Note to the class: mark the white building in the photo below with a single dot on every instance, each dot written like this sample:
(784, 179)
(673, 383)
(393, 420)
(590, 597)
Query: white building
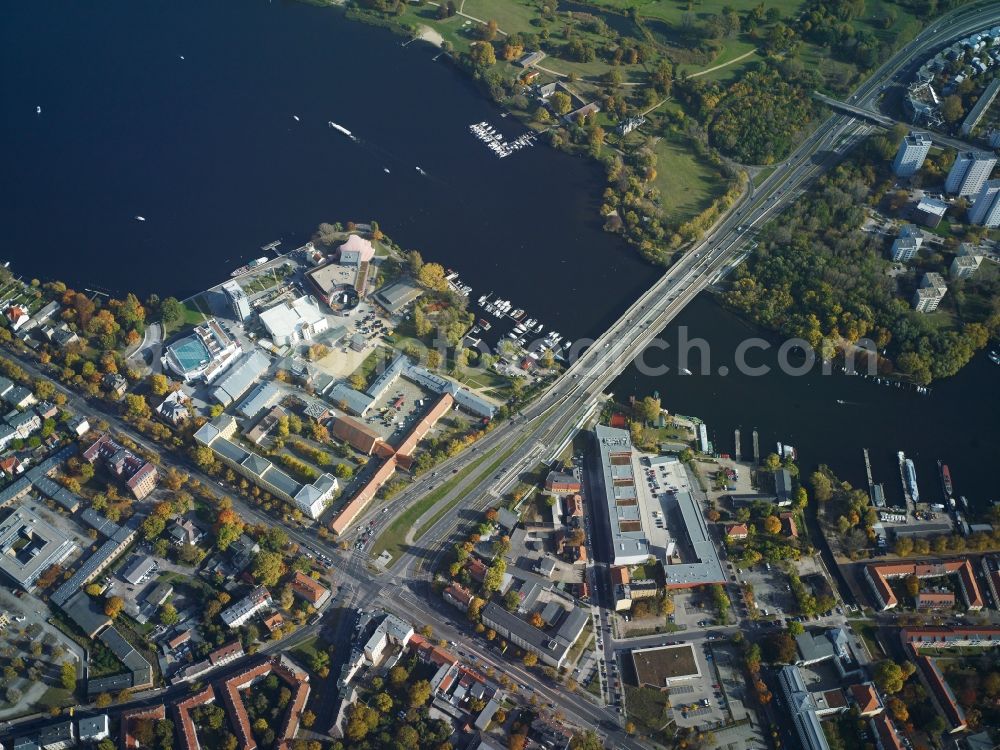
(986, 210)
(247, 607)
(391, 631)
(965, 266)
(94, 728)
(911, 154)
(906, 246)
(970, 172)
(237, 299)
(206, 353)
(930, 293)
(291, 322)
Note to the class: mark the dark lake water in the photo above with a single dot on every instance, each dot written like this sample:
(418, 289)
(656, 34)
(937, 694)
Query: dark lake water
(206, 148)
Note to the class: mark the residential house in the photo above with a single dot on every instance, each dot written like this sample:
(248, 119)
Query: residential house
(173, 409)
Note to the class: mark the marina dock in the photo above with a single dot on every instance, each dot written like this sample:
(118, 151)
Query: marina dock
(756, 448)
(736, 453)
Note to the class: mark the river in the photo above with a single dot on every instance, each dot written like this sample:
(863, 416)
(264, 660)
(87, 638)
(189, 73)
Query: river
(829, 418)
(208, 150)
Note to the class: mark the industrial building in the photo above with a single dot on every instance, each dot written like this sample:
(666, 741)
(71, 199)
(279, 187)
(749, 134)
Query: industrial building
(638, 515)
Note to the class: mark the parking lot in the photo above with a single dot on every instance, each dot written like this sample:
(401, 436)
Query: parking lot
(771, 591)
(700, 702)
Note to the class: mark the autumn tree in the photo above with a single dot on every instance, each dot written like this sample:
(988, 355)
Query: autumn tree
(113, 606)
(890, 676)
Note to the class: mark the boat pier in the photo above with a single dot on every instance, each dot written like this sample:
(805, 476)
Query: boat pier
(736, 453)
(756, 448)
(868, 473)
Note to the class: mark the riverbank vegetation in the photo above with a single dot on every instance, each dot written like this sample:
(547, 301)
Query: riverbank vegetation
(818, 275)
(645, 86)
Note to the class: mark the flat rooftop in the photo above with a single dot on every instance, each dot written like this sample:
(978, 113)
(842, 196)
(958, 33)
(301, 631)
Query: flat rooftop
(681, 504)
(651, 516)
(332, 276)
(29, 546)
(629, 543)
(660, 665)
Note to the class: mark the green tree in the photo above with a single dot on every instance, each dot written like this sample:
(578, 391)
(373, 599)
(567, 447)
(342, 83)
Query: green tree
(168, 614)
(418, 693)
(482, 55)
(67, 675)
(560, 103)
(268, 567)
(822, 487)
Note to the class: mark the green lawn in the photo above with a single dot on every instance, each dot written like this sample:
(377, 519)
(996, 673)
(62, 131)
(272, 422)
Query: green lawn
(512, 16)
(686, 183)
(673, 11)
(195, 309)
(649, 709)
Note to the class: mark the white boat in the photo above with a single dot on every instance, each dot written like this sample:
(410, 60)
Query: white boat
(296, 118)
(685, 371)
(38, 110)
(538, 328)
(530, 323)
(342, 129)
(386, 170)
(421, 171)
(140, 218)
(181, 57)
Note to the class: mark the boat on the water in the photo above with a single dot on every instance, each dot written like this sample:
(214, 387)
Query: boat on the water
(140, 218)
(945, 479)
(911, 479)
(342, 129)
(248, 267)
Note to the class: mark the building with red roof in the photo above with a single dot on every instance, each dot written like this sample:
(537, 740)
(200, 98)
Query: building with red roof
(878, 578)
(185, 724)
(308, 588)
(866, 698)
(130, 721)
(886, 735)
(935, 600)
(458, 596)
(738, 531)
